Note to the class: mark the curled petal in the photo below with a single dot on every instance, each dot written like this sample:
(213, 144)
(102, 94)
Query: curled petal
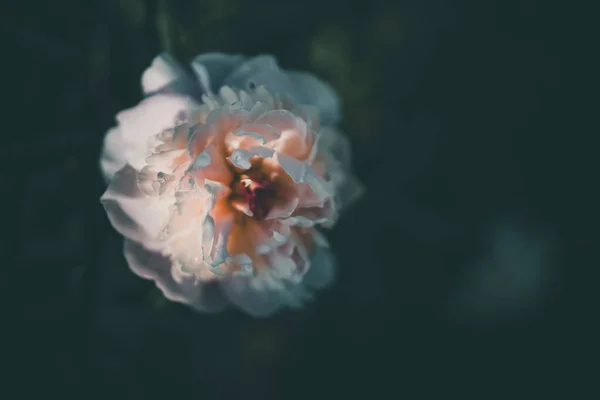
(218, 125)
(251, 135)
(210, 165)
(215, 235)
(170, 139)
(240, 158)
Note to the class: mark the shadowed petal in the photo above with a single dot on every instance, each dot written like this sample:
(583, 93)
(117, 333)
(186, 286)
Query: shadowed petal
(260, 71)
(322, 271)
(335, 143)
(212, 69)
(256, 302)
(308, 89)
(280, 286)
(203, 296)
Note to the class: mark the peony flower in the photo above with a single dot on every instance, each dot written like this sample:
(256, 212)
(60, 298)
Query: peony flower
(167, 85)
(226, 201)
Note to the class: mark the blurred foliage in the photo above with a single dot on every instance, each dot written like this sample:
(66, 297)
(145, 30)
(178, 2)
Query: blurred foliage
(447, 106)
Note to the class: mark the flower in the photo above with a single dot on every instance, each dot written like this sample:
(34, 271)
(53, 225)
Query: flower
(226, 205)
(167, 85)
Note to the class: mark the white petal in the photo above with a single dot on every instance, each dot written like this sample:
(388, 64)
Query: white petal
(114, 154)
(163, 72)
(164, 161)
(132, 213)
(128, 143)
(203, 296)
(165, 75)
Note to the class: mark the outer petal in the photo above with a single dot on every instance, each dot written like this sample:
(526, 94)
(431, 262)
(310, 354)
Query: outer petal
(334, 148)
(165, 75)
(127, 143)
(113, 154)
(254, 301)
(213, 68)
(260, 71)
(308, 89)
(262, 295)
(203, 296)
(132, 213)
(322, 271)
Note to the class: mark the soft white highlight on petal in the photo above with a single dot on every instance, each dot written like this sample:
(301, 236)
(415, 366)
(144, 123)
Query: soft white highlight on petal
(165, 75)
(128, 142)
(113, 154)
(163, 72)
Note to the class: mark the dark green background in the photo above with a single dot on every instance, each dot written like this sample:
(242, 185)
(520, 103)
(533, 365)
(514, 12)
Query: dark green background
(458, 113)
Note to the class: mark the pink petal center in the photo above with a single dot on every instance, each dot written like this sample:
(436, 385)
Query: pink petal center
(260, 194)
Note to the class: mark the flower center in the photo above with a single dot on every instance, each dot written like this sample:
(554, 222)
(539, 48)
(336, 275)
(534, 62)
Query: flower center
(260, 194)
